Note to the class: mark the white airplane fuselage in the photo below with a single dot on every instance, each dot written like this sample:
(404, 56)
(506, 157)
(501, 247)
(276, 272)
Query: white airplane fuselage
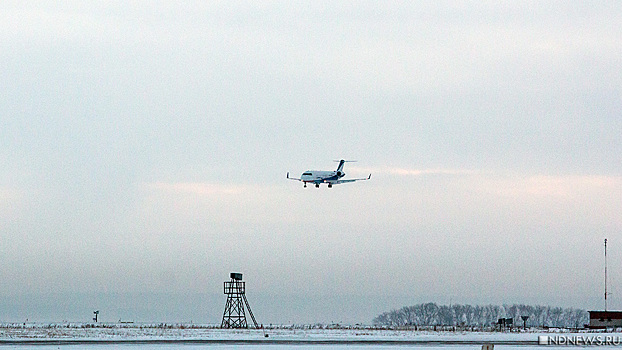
(319, 176)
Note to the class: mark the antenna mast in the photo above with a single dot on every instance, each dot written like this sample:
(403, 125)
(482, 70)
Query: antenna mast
(605, 274)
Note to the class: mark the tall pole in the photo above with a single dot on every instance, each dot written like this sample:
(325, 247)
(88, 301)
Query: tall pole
(605, 274)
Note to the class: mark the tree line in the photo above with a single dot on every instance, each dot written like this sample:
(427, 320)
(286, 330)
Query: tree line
(430, 314)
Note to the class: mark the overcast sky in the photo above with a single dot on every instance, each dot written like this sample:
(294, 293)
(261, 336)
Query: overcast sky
(144, 147)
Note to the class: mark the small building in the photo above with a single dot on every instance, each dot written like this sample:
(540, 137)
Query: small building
(505, 322)
(605, 319)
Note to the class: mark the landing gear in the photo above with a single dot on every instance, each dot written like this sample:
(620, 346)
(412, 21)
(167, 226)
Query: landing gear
(330, 185)
(305, 185)
(317, 185)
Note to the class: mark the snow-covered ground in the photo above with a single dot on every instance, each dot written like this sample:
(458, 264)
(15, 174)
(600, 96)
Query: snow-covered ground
(211, 332)
(190, 337)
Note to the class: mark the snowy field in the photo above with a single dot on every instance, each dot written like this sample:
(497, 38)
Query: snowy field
(191, 337)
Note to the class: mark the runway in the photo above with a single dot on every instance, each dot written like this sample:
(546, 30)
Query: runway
(291, 342)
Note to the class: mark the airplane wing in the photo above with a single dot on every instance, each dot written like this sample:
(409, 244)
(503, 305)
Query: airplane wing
(293, 178)
(349, 180)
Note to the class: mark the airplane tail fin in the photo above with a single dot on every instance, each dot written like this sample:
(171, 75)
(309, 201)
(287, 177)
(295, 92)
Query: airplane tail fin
(340, 167)
(341, 163)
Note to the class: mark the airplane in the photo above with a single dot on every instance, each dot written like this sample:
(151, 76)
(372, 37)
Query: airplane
(330, 177)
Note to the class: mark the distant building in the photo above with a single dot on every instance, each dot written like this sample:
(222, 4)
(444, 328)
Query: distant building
(605, 319)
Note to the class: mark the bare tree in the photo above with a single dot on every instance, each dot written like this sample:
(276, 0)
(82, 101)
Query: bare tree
(430, 314)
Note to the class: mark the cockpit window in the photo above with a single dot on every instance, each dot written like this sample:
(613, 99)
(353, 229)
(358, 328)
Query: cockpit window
(303, 174)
